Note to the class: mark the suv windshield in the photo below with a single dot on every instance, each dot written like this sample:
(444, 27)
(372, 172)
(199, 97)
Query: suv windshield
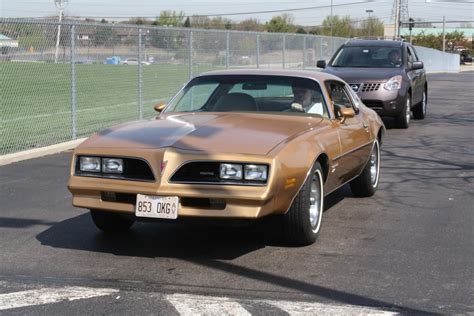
(368, 57)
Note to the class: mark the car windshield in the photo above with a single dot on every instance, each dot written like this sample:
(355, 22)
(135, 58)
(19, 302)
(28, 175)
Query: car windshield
(250, 93)
(368, 57)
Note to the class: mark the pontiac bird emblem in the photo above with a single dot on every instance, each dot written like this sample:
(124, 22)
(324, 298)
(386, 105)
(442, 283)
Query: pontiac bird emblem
(163, 166)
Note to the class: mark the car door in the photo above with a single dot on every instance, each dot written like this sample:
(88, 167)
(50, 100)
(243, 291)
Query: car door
(416, 75)
(354, 134)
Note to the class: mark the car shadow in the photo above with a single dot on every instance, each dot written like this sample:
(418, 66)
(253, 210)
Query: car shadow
(185, 238)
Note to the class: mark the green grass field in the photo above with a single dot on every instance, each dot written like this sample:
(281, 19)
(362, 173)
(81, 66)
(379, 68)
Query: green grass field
(36, 99)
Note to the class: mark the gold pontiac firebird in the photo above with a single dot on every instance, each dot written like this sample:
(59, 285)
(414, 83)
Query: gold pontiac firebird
(234, 144)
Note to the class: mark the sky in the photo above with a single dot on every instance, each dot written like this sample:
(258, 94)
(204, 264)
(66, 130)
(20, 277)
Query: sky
(418, 9)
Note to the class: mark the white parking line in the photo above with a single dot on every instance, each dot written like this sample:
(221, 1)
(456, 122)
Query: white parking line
(50, 295)
(307, 308)
(187, 304)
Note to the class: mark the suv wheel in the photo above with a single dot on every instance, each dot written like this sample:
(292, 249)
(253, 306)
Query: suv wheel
(419, 112)
(403, 120)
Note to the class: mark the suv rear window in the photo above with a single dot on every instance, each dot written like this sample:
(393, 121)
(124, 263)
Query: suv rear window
(368, 57)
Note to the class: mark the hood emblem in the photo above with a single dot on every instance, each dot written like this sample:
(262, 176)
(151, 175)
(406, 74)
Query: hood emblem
(163, 166)
(355, 87)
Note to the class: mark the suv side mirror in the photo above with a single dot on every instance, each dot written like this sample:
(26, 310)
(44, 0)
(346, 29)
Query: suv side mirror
(417, 65)
(321, 64)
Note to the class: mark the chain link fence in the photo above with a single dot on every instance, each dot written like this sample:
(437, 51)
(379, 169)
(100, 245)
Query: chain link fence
(60, 82)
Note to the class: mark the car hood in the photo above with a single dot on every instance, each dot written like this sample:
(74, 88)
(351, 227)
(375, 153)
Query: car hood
(244, 133)
(357, 75)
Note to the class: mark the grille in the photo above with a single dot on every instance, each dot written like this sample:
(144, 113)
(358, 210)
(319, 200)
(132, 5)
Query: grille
(370, 87)
(133, 169)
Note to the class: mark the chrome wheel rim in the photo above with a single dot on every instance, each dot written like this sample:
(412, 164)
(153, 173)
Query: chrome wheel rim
(374, 165)
(408, 113)
(316, 201)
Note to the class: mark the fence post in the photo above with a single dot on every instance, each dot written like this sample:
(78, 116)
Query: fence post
(258, 51)
(140, 103)
(73, 82)
(321, 48)
(227, 48)
(283, 52)
(190, 55)
(304, 51)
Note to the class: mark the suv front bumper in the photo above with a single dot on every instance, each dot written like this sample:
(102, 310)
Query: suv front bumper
(384, 102)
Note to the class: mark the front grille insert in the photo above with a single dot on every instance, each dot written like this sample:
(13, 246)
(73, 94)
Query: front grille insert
(126, 198)
(207, 172)
(133, 169)
(203, 203)
(368, 87)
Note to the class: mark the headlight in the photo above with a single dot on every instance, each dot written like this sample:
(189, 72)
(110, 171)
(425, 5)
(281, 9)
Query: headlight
(89, 164)
(112, 165)
(393, 83)
(255, 172)
(230, 171)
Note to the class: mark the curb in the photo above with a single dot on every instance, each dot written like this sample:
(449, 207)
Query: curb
(39, 152)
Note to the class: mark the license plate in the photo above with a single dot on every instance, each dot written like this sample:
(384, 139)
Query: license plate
(157, 206)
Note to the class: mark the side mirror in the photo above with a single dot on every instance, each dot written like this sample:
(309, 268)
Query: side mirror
(160, 107)
(345, 113)
(321, 64)
(417, 65)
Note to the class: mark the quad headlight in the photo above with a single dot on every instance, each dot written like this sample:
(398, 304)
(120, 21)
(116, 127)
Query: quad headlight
(89, 164)
(112, 165)
(97, 164)
(230, 171)
(247, 172)
(255, 172)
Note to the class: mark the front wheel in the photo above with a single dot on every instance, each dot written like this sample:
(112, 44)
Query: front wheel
(367, 182)
(110, 222)
(403, 120)
(419, 112)
(302, 222)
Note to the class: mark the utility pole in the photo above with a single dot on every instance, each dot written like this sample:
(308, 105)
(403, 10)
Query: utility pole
(61, 5)
(369, 21)
(444, 33)
(397, 18)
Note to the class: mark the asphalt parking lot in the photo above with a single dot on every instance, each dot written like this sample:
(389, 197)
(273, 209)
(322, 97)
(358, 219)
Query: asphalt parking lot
(409, 249)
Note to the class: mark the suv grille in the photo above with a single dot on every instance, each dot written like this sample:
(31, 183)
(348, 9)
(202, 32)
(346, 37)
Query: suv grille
(366, 87)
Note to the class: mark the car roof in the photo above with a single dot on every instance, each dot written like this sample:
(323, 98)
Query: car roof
(379, 43)
(311, 74)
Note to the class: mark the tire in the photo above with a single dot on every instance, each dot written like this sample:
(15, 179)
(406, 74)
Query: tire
(403, 120)
(302, 222)
(110, 222)
(367, 182)
(419, 112)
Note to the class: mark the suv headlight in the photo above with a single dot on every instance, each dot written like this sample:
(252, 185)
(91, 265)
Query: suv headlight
(393, 83)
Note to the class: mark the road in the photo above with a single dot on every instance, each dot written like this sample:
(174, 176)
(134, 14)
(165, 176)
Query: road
(408, 250)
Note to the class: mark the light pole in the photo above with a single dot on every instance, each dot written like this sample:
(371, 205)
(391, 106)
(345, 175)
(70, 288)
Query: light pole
(369, 21)
(61, 5)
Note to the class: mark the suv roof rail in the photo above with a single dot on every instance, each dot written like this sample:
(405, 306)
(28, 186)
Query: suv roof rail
(379, 38)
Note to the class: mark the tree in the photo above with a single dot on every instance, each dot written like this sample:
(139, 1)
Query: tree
(170, 18)
(281, 24)
(187, 23)
(250, 25)
(371, 27)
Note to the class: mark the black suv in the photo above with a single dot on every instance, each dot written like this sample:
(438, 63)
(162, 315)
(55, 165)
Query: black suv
(386, 74)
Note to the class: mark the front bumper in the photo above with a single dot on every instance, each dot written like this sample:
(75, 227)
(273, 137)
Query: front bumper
(196, 200)
(384, 102)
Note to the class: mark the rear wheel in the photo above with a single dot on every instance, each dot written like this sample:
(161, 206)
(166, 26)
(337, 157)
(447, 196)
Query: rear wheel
(110, 222)
(403, 120)
(419, 112)
(367, 182)
(302, 222)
